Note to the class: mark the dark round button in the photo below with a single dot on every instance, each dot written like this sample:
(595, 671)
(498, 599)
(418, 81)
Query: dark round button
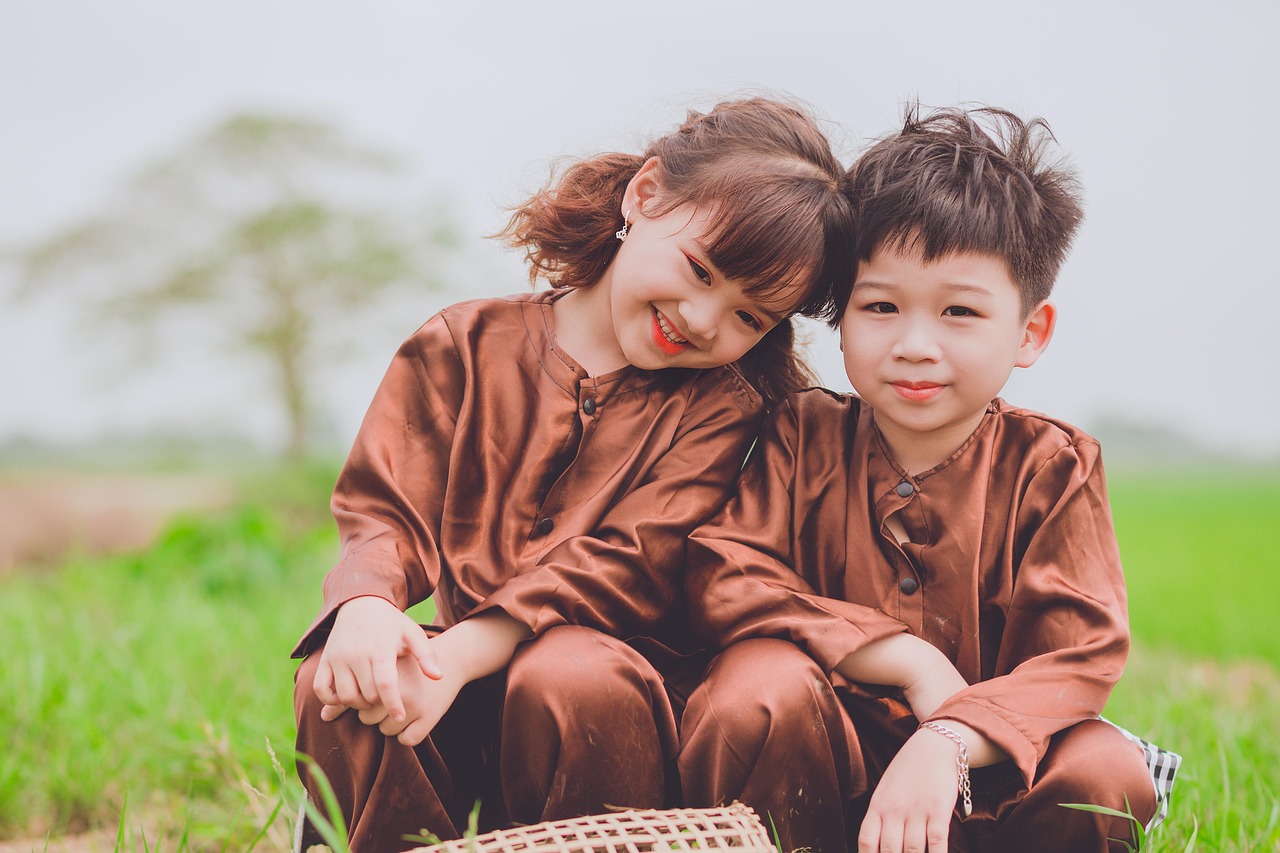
(545, 526)
(905, 489)
(589, 406)
(908, 586)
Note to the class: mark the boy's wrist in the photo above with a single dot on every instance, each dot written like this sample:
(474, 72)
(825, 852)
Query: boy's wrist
(963, 789)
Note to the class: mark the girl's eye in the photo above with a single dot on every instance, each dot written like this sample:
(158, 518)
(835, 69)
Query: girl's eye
(700, 271)
(882, 308)
(750, 321)
(959, 311)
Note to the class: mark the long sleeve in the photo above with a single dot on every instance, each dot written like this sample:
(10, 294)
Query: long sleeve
(389, 498)
(770, 564)
(622, 574)
(492, 471)
(1065, 635)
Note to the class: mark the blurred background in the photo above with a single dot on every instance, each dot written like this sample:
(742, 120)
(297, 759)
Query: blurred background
(1167, 302)
(218, 221)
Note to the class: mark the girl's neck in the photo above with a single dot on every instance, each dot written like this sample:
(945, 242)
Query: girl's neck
(584, 329)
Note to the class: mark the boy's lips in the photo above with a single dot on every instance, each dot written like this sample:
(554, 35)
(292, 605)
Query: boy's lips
(917, 392)
(666, 336)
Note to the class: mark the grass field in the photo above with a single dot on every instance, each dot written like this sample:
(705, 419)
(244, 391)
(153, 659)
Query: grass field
(143, 694)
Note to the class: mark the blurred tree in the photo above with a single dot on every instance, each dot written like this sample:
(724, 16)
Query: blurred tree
(279, 230)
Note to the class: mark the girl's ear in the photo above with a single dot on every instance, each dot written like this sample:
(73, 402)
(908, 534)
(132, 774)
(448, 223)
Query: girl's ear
(642, 189)
(1037, 334)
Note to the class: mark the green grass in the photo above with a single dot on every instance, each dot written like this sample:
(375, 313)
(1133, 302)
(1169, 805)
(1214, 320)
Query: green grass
(159, 678)
(1202, 562)
(141, 692)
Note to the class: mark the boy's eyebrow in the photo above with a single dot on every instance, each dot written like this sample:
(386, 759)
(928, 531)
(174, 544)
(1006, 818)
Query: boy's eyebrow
(957, 286)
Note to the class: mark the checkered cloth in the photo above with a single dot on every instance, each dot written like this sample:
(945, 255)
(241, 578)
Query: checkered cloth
(1163, 766)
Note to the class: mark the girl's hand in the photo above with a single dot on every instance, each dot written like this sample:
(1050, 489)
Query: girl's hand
(359, 662)
(912, 806)
(425, 701)
(471, 649)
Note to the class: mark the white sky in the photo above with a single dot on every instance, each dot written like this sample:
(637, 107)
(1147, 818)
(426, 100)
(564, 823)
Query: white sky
(1168, 304)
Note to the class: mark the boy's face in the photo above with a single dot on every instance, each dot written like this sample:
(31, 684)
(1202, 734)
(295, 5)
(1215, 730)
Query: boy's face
(929, 345)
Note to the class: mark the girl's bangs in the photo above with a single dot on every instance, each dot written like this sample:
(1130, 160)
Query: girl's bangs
(772, 241)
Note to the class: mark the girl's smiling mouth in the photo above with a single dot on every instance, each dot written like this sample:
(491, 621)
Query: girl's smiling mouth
(665, 336)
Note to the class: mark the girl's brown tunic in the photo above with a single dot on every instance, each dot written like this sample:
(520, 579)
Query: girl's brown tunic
(492, 472)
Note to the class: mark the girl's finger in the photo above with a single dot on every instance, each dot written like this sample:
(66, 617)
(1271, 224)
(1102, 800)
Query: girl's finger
(422, 650)
(373, 716)
(323, 683)
(386, 683)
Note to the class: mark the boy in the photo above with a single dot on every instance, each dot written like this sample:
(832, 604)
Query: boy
(925, 536)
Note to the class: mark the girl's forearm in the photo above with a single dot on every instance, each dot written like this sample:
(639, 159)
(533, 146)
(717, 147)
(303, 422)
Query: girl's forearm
(480, 646)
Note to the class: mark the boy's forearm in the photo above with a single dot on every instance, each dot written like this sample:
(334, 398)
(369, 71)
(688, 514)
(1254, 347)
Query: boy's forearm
(900, 660)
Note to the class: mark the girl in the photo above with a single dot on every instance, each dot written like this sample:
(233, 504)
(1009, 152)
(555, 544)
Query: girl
(535, 463)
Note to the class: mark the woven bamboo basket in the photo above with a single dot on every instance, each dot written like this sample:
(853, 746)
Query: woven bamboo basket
(733, 827)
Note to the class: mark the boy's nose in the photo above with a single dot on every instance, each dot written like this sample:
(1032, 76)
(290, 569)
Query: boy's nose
(917, 344)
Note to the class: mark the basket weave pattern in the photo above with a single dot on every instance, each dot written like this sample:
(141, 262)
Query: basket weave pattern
(733, 827)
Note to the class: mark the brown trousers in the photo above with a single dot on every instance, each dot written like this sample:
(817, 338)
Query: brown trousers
(579, 723)
(767, 727)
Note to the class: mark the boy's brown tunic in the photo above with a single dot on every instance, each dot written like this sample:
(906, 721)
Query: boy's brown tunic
(492, 472)
(1012, 567)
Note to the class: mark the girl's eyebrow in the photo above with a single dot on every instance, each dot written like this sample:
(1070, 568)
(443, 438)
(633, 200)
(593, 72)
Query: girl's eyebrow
(704, 258)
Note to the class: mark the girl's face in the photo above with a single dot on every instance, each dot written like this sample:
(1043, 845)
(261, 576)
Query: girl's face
(670, 306)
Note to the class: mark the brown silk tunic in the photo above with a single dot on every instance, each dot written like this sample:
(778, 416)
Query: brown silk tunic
(1012, 568)
(492, 472)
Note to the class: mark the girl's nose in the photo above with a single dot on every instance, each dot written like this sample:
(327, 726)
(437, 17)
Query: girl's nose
(702, 317)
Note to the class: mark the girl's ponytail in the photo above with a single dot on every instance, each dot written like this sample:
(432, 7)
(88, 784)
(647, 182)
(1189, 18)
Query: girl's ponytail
(774, 367)
(566, 229)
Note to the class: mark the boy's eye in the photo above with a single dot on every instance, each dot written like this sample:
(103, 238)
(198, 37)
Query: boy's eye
(700, 271)
(882, 308)
(750, 321)
(959, 311)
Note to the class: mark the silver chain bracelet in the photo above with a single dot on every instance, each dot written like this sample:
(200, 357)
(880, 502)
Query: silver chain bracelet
(962, 763)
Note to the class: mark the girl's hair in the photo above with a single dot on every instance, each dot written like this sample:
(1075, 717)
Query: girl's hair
(783, 222)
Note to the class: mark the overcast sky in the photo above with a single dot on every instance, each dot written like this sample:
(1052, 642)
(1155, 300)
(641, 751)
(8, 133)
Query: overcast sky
(1168, 305)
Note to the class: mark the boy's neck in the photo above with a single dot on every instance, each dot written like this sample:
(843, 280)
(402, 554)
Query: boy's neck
(917, 452)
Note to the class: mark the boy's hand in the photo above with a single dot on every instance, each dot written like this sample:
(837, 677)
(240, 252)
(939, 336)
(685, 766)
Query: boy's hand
(911, 808)
(358, 667)
(425, 701)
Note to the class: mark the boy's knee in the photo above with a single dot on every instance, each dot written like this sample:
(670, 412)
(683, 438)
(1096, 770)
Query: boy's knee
(1094, 763)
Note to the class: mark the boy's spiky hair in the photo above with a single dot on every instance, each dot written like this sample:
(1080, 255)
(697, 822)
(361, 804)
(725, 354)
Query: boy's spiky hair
(970, 180)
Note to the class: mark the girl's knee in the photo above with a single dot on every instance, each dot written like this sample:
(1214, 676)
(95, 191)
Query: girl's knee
(576, 673)
(758, 689)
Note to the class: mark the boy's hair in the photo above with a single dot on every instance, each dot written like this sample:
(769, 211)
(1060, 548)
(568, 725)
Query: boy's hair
(782, 225)
(970, 180)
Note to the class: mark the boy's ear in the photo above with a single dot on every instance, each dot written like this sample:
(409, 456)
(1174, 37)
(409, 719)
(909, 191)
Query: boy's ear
(642, 188)
(1037, 334)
